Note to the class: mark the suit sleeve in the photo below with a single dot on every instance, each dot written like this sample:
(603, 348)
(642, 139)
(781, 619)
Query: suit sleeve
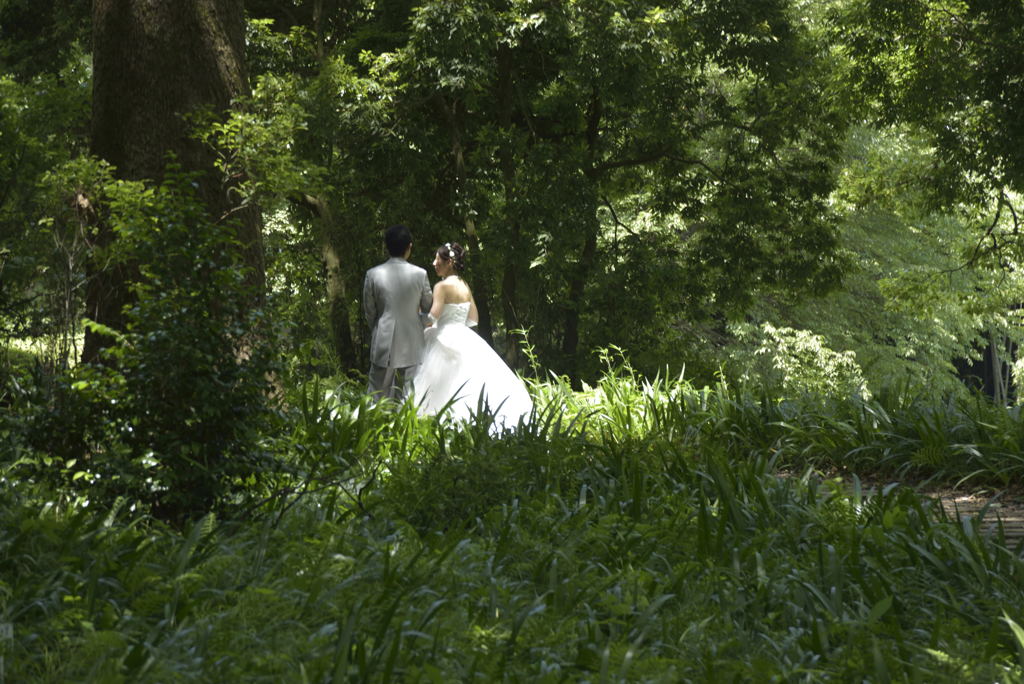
(369, 302)
(426, 295)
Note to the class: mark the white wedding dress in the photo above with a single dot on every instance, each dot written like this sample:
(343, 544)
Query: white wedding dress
(461, 368)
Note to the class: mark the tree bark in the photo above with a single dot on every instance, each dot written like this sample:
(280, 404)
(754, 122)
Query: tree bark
(509, 280)
(155, 61)
(341, 331)
(577, 285)
(337, 299)
(578, 281)
(1000, 359)
(482, 293)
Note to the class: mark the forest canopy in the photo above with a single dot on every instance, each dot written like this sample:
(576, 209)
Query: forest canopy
(677, 182)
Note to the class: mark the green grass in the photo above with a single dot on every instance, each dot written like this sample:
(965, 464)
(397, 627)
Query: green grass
(632, 532)
(16, 356)
(26, 352)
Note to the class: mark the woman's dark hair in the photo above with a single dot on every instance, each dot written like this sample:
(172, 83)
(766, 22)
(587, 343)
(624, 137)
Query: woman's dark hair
(397, 238)
(455, 253)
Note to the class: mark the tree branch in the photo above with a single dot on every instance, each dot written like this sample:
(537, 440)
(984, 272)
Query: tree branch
(989, 232)
(615, 217)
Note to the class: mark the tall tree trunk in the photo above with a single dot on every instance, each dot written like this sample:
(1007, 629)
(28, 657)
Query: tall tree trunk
(509, 280)
(337, 299)
(577, 285)
(1000, 353)
(337, 302)
(578, 280)
(155, 61)
(482, 290)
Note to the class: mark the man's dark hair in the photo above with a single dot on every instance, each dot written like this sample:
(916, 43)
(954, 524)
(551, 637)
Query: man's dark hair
(397, 238)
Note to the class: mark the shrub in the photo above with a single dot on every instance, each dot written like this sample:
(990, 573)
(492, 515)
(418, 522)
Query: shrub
(176, 416)
(798, 362)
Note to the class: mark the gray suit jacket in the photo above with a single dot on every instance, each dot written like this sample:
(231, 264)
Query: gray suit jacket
(394, 295)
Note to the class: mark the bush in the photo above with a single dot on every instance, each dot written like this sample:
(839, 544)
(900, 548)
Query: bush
(176, 417)
(635, 531)
(797, 362)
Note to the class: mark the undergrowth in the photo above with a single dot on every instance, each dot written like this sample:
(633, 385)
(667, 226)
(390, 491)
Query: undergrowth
(632, 531)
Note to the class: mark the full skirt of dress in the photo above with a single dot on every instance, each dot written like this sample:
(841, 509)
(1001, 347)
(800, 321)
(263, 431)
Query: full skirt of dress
(460, 373)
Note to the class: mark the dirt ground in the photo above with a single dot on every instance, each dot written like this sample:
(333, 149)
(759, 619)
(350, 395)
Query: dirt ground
(1006, 505)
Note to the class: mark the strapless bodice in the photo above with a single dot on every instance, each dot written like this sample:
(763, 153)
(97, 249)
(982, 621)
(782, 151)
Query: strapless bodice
(454, 314)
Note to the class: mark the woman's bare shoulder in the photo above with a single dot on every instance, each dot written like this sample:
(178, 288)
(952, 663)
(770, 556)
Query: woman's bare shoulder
(458, 291)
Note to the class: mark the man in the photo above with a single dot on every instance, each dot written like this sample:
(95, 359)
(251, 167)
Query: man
(396, 297)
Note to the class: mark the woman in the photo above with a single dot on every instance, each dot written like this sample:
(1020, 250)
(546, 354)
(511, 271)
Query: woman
(458, 367)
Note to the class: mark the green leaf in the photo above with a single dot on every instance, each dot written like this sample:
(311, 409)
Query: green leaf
(879, 609)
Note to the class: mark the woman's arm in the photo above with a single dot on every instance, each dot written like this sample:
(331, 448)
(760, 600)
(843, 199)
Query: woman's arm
(473, 316)
(435, 308)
